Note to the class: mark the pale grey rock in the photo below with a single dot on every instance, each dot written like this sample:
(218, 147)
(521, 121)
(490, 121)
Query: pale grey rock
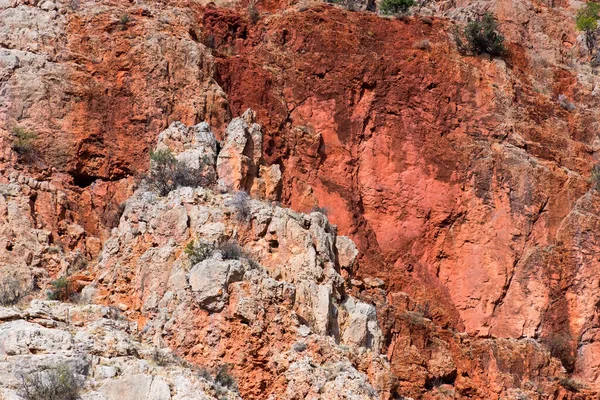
(194, 146)
(347, 252)
(102, 372)
(22, 337)
(314, 304)
(239, 160)
(209, 280)
(136, 387)
(100, 351)
(361, 328)
(337, 381)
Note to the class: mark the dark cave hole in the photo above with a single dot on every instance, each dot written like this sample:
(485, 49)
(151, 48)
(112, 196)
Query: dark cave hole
(83, 180)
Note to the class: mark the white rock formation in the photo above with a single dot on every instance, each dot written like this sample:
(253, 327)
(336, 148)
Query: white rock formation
(97, 345)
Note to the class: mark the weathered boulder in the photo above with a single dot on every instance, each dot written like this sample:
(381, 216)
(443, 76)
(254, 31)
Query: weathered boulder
(360, 327)
(239, 160)
(22, 337)
(210, 279)
(347, 252)
(314, 304)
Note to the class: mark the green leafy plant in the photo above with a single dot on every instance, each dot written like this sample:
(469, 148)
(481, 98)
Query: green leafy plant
(198, 252)
(394, 7)
(587, 21)
(60, 289)
(56, 383)
(481, 36)
(23, 142)
(124, 20)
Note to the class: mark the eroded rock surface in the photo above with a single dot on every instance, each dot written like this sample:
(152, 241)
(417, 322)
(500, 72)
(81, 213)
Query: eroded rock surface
(101, 349)
(462, 180)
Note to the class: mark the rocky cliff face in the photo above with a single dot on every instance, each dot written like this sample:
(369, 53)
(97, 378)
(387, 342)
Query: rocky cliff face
(97, 345)
(462, 183)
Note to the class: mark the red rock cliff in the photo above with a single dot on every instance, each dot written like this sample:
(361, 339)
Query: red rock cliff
(463, 181)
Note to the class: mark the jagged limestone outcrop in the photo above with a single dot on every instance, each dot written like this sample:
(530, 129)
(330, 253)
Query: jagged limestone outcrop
(100, 347)
(269, 269)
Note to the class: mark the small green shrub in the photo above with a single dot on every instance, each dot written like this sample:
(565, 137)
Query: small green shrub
(393, 7)
(10, 291)
(587, 22)
(481, 36)
(57, 383)
(23, 142)
(124, 20)
(60, 289)
(198, 252)
(587, 17)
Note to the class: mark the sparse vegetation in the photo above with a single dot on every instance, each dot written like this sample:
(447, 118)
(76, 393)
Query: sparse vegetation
(571, 384)
(253, 14)
(79, 262)
(54, 249)
(198, 252)
(560, 346)
(241, 204)
(224, 378)
(124, 20)
(595, 177)
(395, 7)
(230, 250)
(57, 383)
(481, 36)
(23, 142)
(587, 22)
(210, 41)
(167, 173)
(60, 289)
(424, 310)
(161, 358)
(11, 291)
